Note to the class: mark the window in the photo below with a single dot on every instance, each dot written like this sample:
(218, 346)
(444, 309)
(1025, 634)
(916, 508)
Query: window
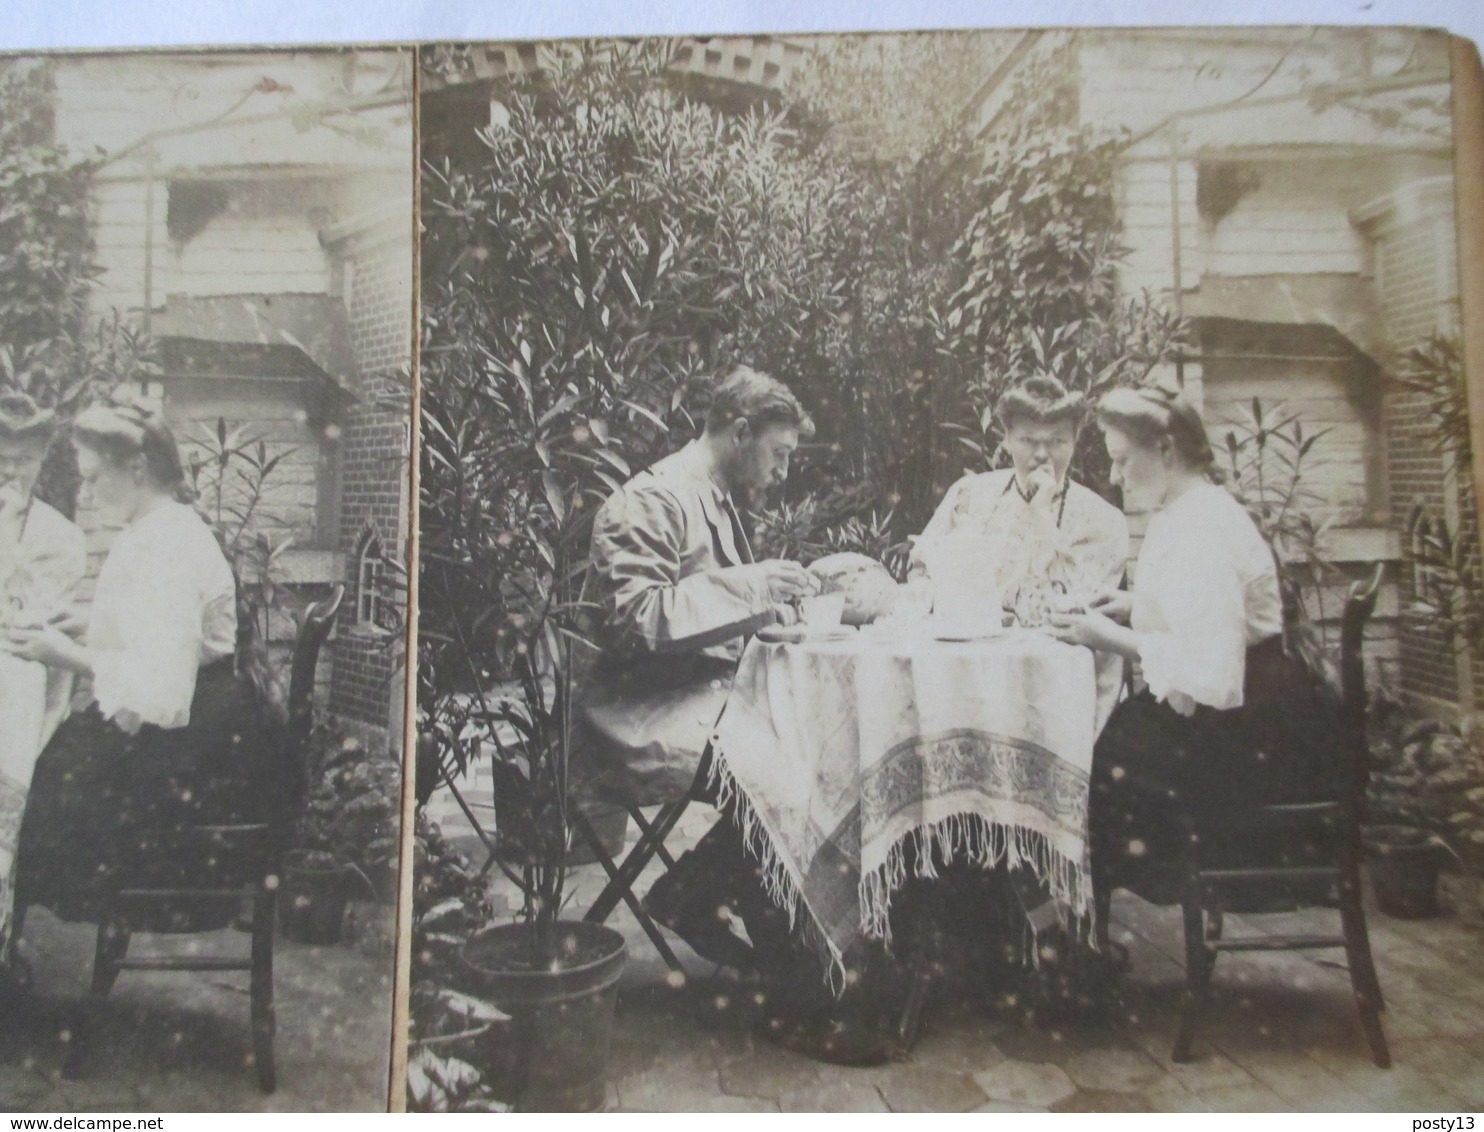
(370, 575)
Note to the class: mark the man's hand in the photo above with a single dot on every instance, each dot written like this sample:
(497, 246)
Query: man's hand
(787, 580)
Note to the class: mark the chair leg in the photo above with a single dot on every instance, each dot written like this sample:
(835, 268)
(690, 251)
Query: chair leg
(1363, 979)
(627, 872)
(110, 946)
(1215, 924)
(617, 883)
(263, 1025)
(1102, 907)
(1200, 961)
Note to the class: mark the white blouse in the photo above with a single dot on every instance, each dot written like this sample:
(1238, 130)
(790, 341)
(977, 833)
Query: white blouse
(1205, 588)
(164, 606)
(1082, 545)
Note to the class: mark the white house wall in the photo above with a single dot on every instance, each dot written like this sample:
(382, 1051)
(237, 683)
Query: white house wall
(264, 242)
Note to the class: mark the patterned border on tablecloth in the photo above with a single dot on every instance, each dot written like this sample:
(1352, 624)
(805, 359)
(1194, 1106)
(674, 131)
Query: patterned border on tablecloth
(1006, 769)
(1020, 765)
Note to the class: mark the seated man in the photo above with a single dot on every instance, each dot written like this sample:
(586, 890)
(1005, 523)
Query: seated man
(680, 594)
(1052, 543)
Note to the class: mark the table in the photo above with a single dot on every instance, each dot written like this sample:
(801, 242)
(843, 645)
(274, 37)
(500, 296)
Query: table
(843, 756)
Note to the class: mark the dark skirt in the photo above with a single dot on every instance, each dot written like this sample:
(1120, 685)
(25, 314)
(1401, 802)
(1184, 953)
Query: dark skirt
(106, 809)
(1151, 761)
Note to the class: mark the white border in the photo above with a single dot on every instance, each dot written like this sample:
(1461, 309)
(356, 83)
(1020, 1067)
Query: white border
(33, 24)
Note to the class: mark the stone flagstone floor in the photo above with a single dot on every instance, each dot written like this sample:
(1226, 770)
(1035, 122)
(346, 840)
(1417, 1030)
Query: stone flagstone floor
(181, 1041)
(1281, 1033)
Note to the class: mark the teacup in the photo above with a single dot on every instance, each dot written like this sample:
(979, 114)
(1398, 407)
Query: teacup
(822, 611)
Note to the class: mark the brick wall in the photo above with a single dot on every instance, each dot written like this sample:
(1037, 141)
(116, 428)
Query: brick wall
(1416, 274)
(374, 470)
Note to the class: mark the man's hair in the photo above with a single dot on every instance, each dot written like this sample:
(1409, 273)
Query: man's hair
(1041, 400)
(758, 398)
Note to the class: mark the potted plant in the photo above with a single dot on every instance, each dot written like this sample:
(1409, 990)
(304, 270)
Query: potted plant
(449, 904)
(1431, 775)
(1425, 785)
(555, 979)
(347, 843)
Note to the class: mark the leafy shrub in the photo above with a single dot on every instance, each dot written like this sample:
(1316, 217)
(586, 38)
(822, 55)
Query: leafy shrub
(611, 247)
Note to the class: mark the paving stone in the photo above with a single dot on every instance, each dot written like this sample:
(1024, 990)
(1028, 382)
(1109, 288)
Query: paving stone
(960, 1045)
(21, 1083)
(1287, 1018)
(1102, 1100)
(630, 1055)
(679, 1085)
(1301, 1082)
(1241, 1098)
(1112, 1069)
(1456, 1066)
(1169, 1095)
(918, 1088)
(1405, 1088)
(1058, 1044)
(856, 1093)
(1210, 1070)
(1400, 1024)
(1025, 1082)
(768, 1071)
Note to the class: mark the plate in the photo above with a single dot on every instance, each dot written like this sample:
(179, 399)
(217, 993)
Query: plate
(802, 634)
(964, 629)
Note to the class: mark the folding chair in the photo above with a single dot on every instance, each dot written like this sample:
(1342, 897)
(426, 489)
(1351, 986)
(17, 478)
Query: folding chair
(622, 875)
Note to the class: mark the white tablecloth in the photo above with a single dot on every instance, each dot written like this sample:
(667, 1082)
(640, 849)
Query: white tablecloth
(842, 755)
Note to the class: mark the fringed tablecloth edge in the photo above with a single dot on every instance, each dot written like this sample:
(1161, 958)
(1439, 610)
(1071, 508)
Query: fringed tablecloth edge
(983, 843)
(782, 887)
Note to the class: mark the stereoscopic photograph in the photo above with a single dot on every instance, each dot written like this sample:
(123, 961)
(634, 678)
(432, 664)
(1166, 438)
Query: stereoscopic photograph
(206, 267)
(948, 576)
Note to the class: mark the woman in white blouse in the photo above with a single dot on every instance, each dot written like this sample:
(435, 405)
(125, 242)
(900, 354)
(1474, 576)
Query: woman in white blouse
(174, 736)
(1226, 715)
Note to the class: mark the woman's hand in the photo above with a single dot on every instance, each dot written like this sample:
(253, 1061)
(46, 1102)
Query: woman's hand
(47, 645)
(1092, 630)
(1117, 605)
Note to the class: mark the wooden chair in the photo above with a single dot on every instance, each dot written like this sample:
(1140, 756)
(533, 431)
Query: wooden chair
(237, 867)
(1231, 866)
